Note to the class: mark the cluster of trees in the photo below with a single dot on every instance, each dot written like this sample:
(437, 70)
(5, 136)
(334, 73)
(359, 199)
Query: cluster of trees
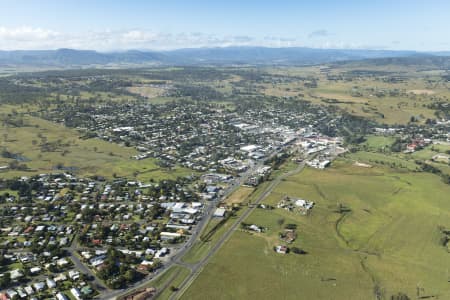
(295, 250)
(44, 246)
(276, 161)
(291, 226)
(354, 128)
(5, 279)
(23, 188)
(441, 108)
(14, 93)
(116, 270)
(185, 74)
(425, 167)
(397, 145)
(7, 154)
(400, 296)
(445, 239)
(311, 84)
(123, 238)
(298, 250)
(15, 164)
(197, 92)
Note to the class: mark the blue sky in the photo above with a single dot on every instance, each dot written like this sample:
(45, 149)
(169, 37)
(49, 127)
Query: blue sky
(138, 24)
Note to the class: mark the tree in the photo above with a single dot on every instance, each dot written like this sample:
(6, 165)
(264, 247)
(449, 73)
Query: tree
(130, 275)
(291, 226)
(52, 268)
(397, 145)
(400, 296)
(5, 280)
(297, 250)
(280, 221)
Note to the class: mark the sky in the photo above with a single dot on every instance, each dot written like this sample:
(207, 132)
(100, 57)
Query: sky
(113, 25)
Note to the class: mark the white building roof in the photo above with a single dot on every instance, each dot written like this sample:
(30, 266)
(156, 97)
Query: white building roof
(220, 212)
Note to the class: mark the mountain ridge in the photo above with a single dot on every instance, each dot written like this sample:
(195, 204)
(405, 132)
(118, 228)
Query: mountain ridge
(198, 56)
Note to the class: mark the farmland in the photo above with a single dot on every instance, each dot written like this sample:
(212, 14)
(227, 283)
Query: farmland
(385, 241)
(380, 220)
(366, 90)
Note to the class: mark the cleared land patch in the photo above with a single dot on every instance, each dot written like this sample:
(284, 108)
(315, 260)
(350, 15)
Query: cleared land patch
(147, 91)
(422, 92)
(239, 196)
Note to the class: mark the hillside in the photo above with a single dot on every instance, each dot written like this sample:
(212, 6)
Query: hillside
(66, 58)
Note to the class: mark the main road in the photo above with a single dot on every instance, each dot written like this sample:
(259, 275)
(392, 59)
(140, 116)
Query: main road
(198, 267)
(176, 259)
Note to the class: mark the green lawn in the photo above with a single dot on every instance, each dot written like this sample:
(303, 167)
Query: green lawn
(399, 161)
(389, 240)
(375, 142)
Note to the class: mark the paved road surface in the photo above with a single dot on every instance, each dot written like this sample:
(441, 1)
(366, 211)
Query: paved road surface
(197, 268)
(176, 259)
(194, 268)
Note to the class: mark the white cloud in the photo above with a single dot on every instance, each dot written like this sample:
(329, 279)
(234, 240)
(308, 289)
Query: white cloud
(26, 34)
(27, 38)
(319, 33)
(139, 36)
(30, 38)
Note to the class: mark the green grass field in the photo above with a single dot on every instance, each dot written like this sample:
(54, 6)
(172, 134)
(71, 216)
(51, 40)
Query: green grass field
(406, 163)
(201, 247)
(85, 157)
(388, 241)
(171, 278)
(375, 142)
(359, 96)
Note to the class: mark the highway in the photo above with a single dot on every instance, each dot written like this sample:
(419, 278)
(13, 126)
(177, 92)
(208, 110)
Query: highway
(198, 267)
(113, 294)
(176, 258)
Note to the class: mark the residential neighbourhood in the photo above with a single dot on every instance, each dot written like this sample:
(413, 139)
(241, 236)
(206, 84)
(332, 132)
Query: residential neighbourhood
(59, 231)
(142, 181)
(64, 236)
(204, 138)
(68, 237)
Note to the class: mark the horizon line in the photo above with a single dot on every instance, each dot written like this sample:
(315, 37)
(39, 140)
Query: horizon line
(226, 47)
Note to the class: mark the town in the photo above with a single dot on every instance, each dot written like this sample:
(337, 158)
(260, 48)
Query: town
(192, 150)
(63, 235)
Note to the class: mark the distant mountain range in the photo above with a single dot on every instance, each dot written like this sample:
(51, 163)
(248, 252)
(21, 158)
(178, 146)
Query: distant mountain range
(197, 56)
